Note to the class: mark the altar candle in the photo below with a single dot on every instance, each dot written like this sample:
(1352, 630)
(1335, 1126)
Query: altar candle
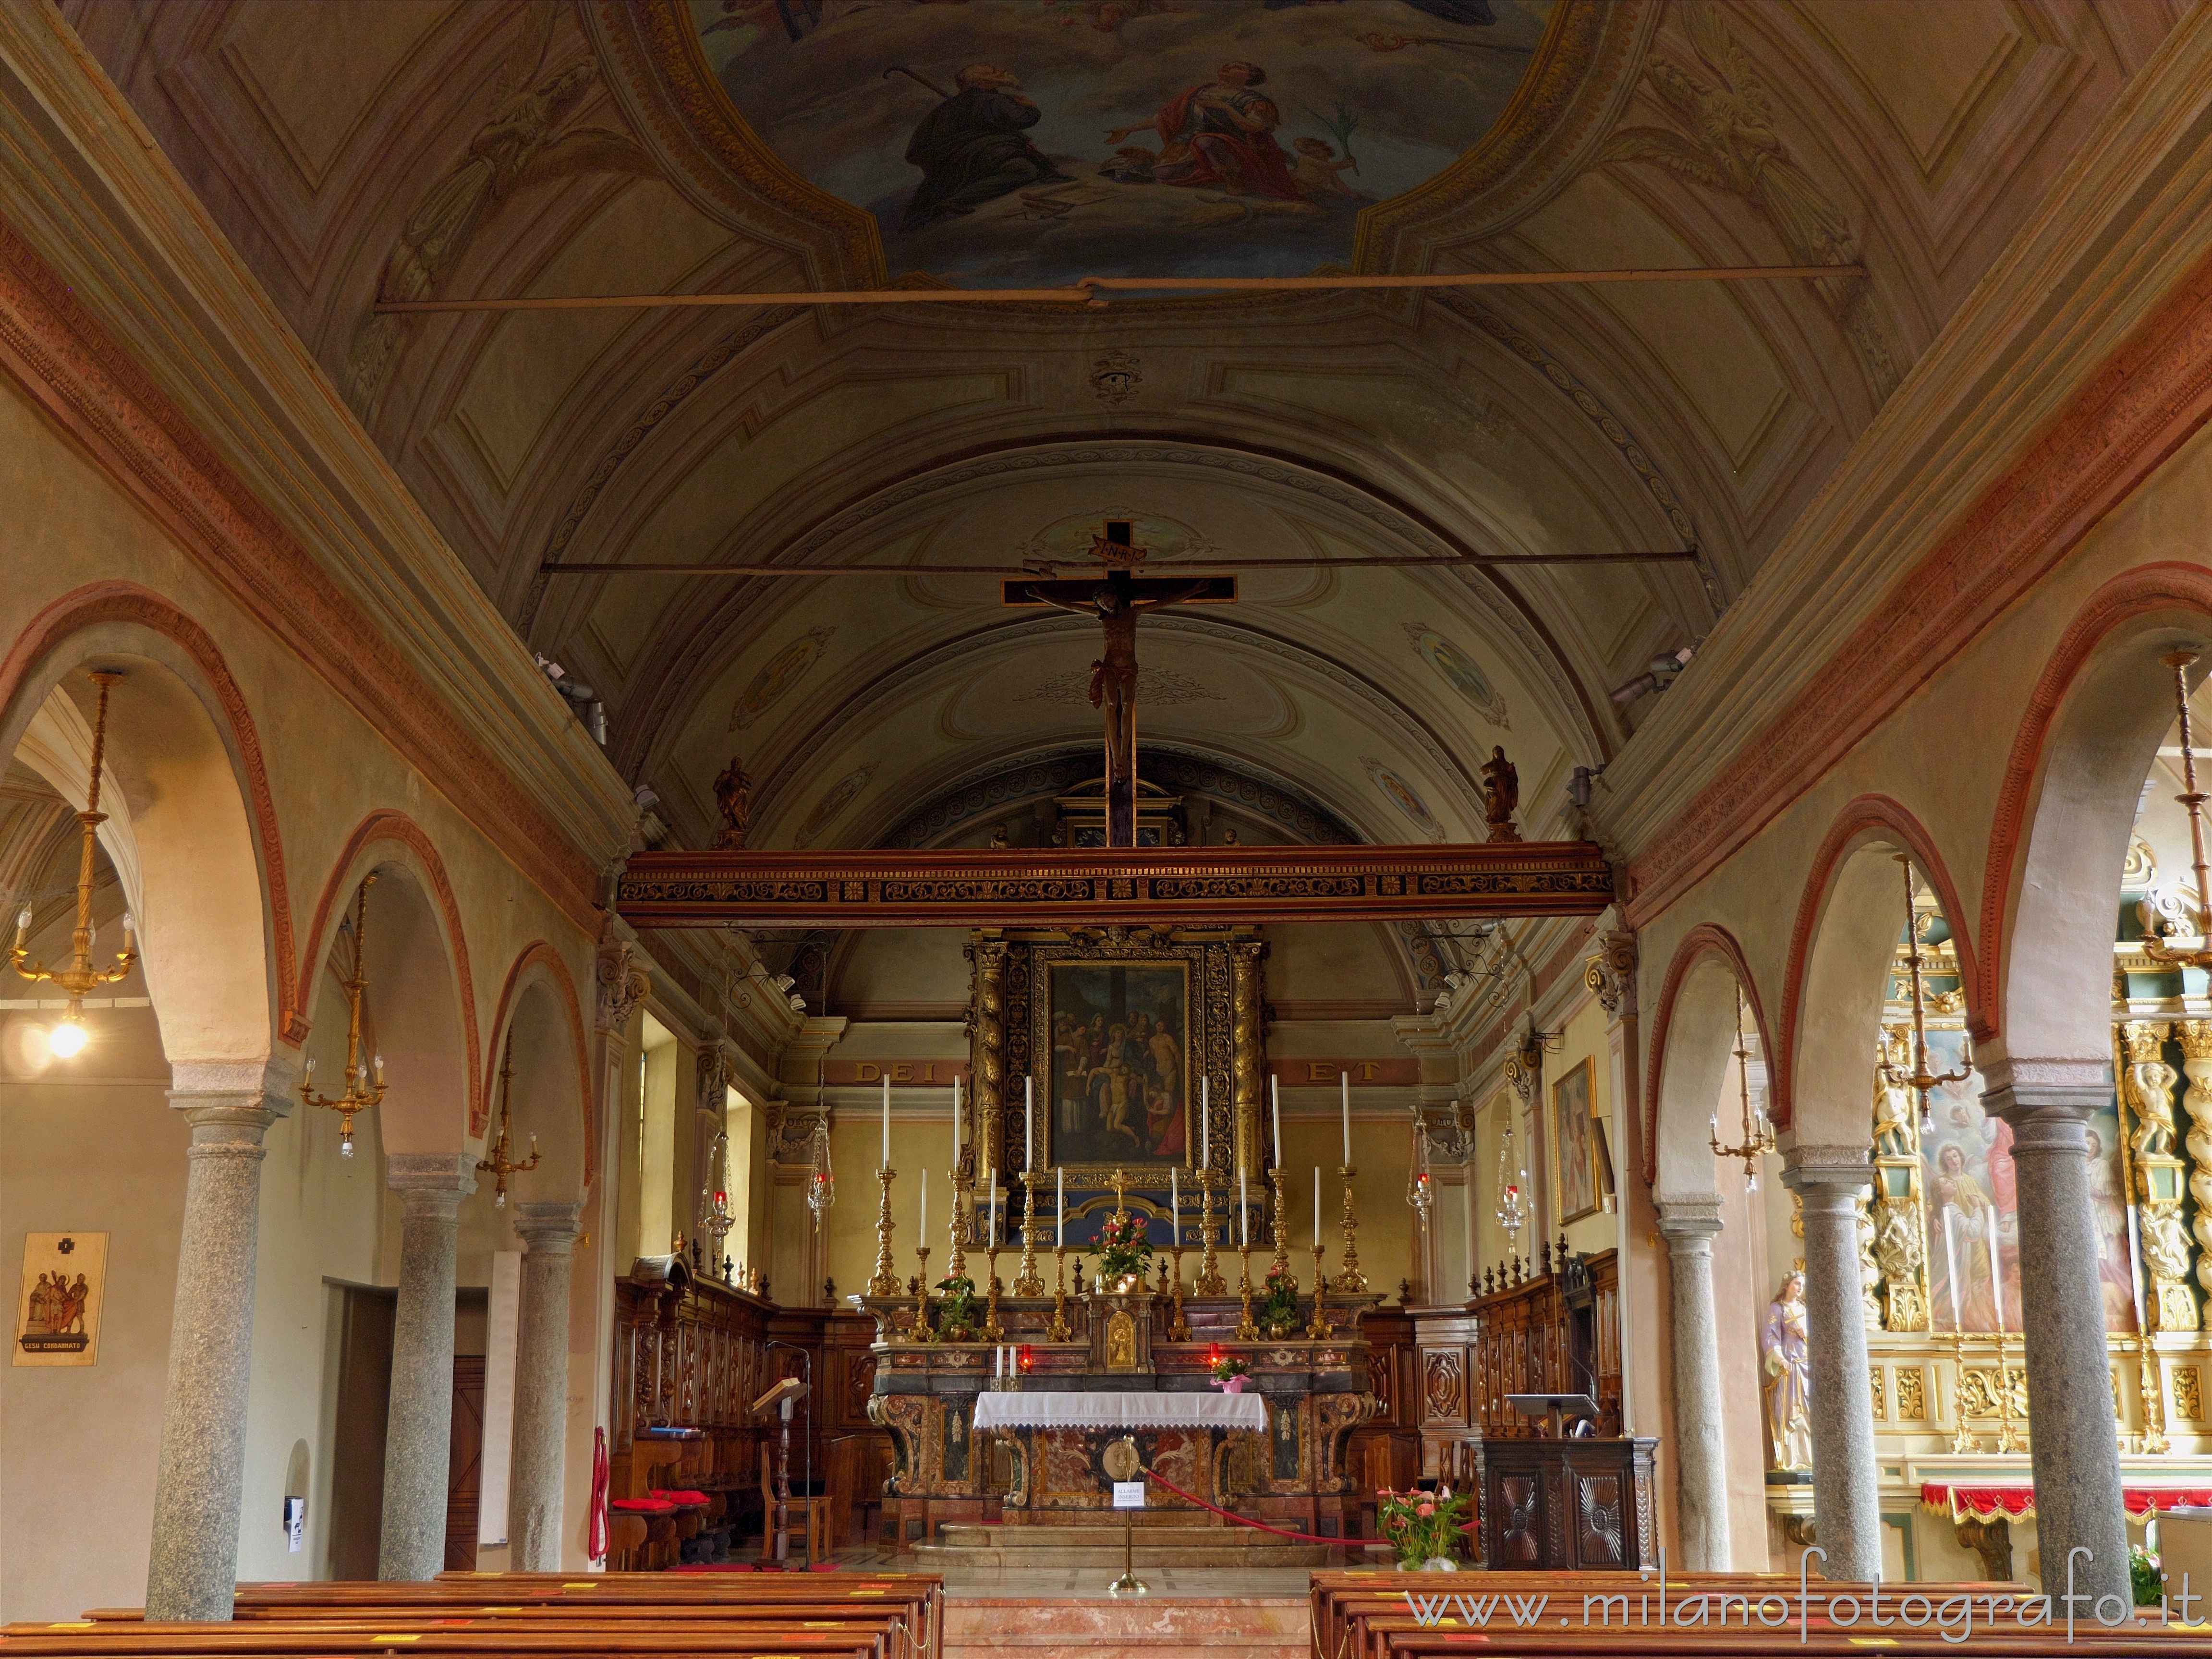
(922, 1228)
(1951, 1261)
(1175, 1208)
(1996, 1278)
(887, 1119)
(1059, 1205)
(1243, 1215)
(1345, 1077)
(1028, 1124)
(1316, 1207)
(2135, 1265)
(991, 1177)
(956, 1123)
(1204, 1123)
(1275, 1090)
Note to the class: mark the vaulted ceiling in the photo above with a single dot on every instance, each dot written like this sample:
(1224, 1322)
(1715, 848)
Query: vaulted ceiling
(459, 148)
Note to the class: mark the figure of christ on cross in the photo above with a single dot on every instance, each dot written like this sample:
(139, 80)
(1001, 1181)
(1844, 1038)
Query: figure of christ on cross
(1117, 602)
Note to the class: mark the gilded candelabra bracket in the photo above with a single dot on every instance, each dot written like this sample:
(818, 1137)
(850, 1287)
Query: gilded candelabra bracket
(1027, 1280)
(364, 1079)
(1209, 1281)
(1920, 1079)
(1758, 1140)
(1245, 1330)
(80, 975)
(1058, 1330)
(2192, 799)
(1178, 1325)
(992, 1331)
(2150, 1378)
(500, 1166)
(1962, 1437)
(959, 1231)
(1320, 1330)
(923, 1330)
(1280, 1267)
(1349, 1279)
(884, 1281)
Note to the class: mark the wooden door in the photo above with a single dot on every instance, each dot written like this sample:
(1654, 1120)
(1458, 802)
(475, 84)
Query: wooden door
(464, 1470)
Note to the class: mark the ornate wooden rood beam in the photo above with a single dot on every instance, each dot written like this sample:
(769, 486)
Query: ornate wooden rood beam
(1055, 888)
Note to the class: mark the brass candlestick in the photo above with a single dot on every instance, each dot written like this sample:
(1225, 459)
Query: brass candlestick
(1349, 1279)
(1282, 1262)
(959, 1232)
(1028, 1281)
(1209, 1281)
(2009, 1439)
(2153, 1398)
(991, 1333)
(885, 1280)
(1178, 1326)
(922, 1331)
(1962, 1439)
(1058, 1331)
(1320, 1330)
(1245, 1330)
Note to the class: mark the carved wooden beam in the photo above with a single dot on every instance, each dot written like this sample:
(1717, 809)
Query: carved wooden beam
(1056, 888)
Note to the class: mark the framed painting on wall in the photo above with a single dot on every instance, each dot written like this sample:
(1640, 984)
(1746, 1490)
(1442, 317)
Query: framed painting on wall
(57, 1310)
(1119, 1063)
(1583, 1173)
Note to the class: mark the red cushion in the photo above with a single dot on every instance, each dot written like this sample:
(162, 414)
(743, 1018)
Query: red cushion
(712, 1566)
(643, 1505)
(682, 1496)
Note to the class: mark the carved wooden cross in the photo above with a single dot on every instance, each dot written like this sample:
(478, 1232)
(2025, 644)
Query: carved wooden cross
(1117, 601)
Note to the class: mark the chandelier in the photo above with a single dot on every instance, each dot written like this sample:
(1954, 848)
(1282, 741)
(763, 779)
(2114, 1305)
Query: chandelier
(1757, 1133)
(1512, 1211)
(822, 1190)
(497, 1164)
(1920, 1078)
(68, 1038)
(1420, 1195)
(364, 1085)
(715, 1213)
(2154, 946)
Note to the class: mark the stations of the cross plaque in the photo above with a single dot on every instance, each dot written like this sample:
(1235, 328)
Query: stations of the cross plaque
(1116, 597)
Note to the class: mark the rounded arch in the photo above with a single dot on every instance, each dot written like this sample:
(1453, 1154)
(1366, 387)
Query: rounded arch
(1692, 1036)
(187, 776)
(2091, 730)
(1845, 929)
(540, 968)
(383, 839)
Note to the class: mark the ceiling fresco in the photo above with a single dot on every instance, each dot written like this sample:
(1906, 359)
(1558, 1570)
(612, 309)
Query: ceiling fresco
(998, 143)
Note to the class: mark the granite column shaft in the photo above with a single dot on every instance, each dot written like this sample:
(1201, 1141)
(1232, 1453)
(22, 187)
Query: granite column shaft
(1846, 1480)
(541, 1383)
(1701, 1501)
(418, 1435)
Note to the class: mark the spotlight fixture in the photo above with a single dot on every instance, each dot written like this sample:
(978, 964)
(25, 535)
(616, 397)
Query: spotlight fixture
(68, 1038)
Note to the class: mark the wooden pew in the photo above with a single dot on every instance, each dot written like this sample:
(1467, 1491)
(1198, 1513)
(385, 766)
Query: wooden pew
(639, 1637)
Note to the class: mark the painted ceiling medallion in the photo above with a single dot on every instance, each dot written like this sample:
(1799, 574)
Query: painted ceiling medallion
(1007, 143)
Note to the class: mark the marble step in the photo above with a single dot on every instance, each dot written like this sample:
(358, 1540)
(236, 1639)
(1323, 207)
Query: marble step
(1230, 1627)
(1095, 1550)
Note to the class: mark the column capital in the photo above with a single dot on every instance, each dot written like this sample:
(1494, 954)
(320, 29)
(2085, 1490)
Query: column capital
(432, 1183)
(1688, 1220)
(239, 1116)
(1844, 1171)
(548, 1229)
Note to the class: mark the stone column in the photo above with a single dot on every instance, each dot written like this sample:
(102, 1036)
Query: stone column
(1846, 1499)
(1700, 1454)
(418, 1433)
(2072, 1433)
(541, 1382)
(194, 1569)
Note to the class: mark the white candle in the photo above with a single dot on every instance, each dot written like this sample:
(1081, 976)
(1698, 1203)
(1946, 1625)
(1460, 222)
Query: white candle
(1060, 1207)
(955, 1122)
(1275, 1090)
(1951, 1261)
(992, 1237)
(1997, 1278)
(1028, 1124)
(2135, 1266)
(887, 1119)
(1243, 1216)
(1204, 1123)
(922, 1229)
(998, 1360)
(1316, 1207)
(1347, 1078)
(1175, 1208)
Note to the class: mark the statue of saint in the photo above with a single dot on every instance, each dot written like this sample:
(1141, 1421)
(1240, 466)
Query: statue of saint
(1788, 1365)
(733, 798)
(1501, 796)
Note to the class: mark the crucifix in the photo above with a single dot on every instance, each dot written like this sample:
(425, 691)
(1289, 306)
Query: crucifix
(1117, 602)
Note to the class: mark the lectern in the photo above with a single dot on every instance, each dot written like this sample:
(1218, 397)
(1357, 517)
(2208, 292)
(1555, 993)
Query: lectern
(1559, 1408)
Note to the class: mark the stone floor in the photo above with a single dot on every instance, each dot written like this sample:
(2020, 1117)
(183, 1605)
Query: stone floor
(1157, 1626)
(964, 1582)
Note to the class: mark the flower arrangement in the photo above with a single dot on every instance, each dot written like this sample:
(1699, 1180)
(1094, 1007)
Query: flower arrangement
(1423, 1526)
(1124, 1254)
(1278, 1307)
(1230, 1373)
(2143, 1576)
(956, 1322)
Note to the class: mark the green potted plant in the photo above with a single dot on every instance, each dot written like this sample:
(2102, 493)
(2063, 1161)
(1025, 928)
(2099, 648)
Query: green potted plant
(956, 1320)
(1124, 1255)
(1423, 1526)
(1278, 1304)
(1230, 1375)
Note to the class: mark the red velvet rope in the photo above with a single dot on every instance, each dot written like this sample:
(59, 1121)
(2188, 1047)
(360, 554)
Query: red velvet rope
(1303, 1537)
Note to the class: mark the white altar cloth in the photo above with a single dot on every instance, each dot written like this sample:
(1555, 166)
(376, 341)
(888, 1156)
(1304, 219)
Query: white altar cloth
(1120, 1411)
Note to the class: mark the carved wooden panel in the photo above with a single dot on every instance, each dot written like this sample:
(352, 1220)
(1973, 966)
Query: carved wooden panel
(1444, 1388)
(1598, 1519)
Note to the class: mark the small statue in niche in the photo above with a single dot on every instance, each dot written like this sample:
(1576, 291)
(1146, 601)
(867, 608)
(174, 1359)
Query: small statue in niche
(1789, 1367)
(1501, 795)
(999, 838)
(1229, 835)
(733, 799)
